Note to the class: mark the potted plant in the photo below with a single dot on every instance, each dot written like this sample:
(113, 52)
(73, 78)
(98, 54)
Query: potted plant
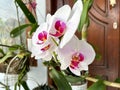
(14, 55)
(55, 42)
(52, 43)
(13, 63)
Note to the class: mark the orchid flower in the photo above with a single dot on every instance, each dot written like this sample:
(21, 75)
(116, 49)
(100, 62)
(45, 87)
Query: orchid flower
(65, 22)
(43, 45)
(33, 4)
(76, 55)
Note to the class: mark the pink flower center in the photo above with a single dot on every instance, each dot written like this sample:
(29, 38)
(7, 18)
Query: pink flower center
(42, 37)
(45, 48)
(76, 59)
(60, 27)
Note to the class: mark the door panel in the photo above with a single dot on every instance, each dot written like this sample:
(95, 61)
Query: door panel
(106, 39)
(102, 36)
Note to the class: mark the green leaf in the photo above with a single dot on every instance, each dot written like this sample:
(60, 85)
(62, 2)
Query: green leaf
(84, 17)
(99, 85)
(8, 55)
(98, 56)
(60, 80)
(34, 27)
(73, 79)
(25, 10)
(117, 80)
(97, 50)
(15, 86)
(19, 30)
(2, 52)
(4, 86)
(14, 47)
(25, 86)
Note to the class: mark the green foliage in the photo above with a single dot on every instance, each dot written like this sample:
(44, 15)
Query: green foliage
(4, 86)
(117, 80)
(25, 86)
(19, 30)
(99, 85)
(60, 80)
(50, 63)
(25, 10)
(20, 80)
(33, 23)
(84, 17)
(7, 56)
(13, 50)
(98, 56)
(34, 27)
(2, 52)
(74, 79)
(15, 47)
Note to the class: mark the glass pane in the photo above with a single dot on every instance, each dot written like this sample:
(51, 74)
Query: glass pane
(8, 21)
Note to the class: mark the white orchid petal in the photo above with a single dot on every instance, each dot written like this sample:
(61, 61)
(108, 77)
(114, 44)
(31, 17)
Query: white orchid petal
(76, 72)
(83, 47)
(78, 5)
(83, 66)
(87, 50)
(63, 12)
(72, 23)
(52, 25)
(67, 36)
(72, 42)
(46, 56)
(76, 45)
(42, 27)
(76, 11)
(41, 55)
(63, 65)
(64, 57)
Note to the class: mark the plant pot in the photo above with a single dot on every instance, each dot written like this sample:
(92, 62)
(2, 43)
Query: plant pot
(79, 86)
(9, 72)
(10, 79)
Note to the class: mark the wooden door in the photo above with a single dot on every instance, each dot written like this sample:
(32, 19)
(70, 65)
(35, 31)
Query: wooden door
(102, 35)
(105, 38)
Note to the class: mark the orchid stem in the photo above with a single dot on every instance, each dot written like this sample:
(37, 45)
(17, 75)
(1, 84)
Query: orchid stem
(3, 84)
(84, 34)
(55, 57)
(4, 45)
(18, 22)
(107, 83)
(54, 41)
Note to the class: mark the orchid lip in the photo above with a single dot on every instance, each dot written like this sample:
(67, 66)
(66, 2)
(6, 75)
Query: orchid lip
(76, 59)
(45, 48)
(60, 28)
(57, 34)
(42, 37)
